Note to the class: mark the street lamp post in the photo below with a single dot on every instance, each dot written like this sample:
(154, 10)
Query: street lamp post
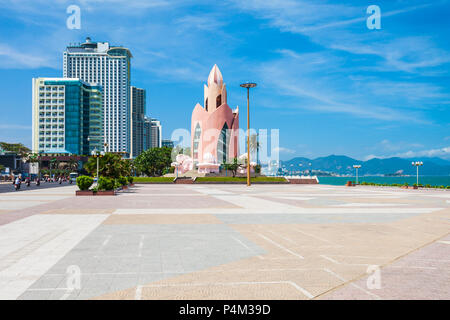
(248, 85)
(417, 164)
(357, 166)
(97, 155)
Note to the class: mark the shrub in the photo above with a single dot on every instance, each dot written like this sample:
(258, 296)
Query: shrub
(154, 161)
(123, 181)
(84, 182)
(153, 179)
(130, 179)
(105, 184)
(111, 165)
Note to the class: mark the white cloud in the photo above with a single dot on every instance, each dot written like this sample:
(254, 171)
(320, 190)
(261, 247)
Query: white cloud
(389, 146)
(438, 152)
(341, 27)
(11, 58)
(369, 157)
(316, 82)
(283, 150)
(14, 127)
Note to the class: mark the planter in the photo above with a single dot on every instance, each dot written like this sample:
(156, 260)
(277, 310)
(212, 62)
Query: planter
(105, 193)
(183, 180)
(84, 193)
(124, 187)
(303, 181)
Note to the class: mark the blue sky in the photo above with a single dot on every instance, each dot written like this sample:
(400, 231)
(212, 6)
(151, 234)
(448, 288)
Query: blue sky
(331, 85)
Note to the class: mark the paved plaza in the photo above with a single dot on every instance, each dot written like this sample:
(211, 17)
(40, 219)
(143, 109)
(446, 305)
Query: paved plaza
(9, 187)
(226, 242)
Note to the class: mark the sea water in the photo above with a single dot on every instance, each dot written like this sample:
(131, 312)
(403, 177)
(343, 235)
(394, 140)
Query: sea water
(410, 180)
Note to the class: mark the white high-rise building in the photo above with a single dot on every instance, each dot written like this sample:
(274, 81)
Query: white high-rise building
(108, 66)
(156, 135)
(152, 133)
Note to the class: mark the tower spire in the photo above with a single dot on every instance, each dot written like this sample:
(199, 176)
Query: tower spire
(215, 76)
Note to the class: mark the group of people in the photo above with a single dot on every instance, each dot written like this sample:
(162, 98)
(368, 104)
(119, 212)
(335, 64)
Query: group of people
(17, 181)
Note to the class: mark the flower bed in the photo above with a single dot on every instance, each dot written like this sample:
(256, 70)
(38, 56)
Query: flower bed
(84, 193)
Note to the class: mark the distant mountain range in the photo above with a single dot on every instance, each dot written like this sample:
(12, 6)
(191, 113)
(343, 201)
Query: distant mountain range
(343, 165)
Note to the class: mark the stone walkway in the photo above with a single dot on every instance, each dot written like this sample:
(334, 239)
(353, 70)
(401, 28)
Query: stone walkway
(226, 242)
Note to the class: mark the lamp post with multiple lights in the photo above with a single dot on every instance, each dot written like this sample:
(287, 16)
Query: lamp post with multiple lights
(248, 85)
(417, 164)
(356, 166)
(97, 155)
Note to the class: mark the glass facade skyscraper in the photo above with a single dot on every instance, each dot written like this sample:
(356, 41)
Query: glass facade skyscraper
(138, 110)
(108, 66)
(67, 116)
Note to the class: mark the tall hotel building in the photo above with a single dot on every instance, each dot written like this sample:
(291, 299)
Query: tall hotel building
(108, 66)
(67, 116)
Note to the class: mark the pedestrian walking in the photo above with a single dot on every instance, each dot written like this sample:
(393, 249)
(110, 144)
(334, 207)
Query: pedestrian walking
(17, 183)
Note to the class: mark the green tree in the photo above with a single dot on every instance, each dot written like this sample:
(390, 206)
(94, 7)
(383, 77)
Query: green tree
(17, 148)
(2, 167)
(152, 162)
(53, 164)
(187, 151)
(233, 167)
(111, 165)
(73, 164)
(254, 144)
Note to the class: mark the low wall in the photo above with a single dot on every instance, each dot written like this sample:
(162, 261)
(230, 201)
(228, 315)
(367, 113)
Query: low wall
(304, 181)
(241, 182)
(184, 181)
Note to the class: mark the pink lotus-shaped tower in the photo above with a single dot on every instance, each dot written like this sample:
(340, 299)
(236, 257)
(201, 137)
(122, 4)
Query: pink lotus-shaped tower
(214, 128)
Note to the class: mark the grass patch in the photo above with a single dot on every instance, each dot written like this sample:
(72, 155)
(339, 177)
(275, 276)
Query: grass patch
(239, 179)
(153, 180)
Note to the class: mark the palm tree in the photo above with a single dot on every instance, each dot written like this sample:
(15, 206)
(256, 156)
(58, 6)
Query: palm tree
(111, 165)
(73, 164)
(254, 144)
(52, 164)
